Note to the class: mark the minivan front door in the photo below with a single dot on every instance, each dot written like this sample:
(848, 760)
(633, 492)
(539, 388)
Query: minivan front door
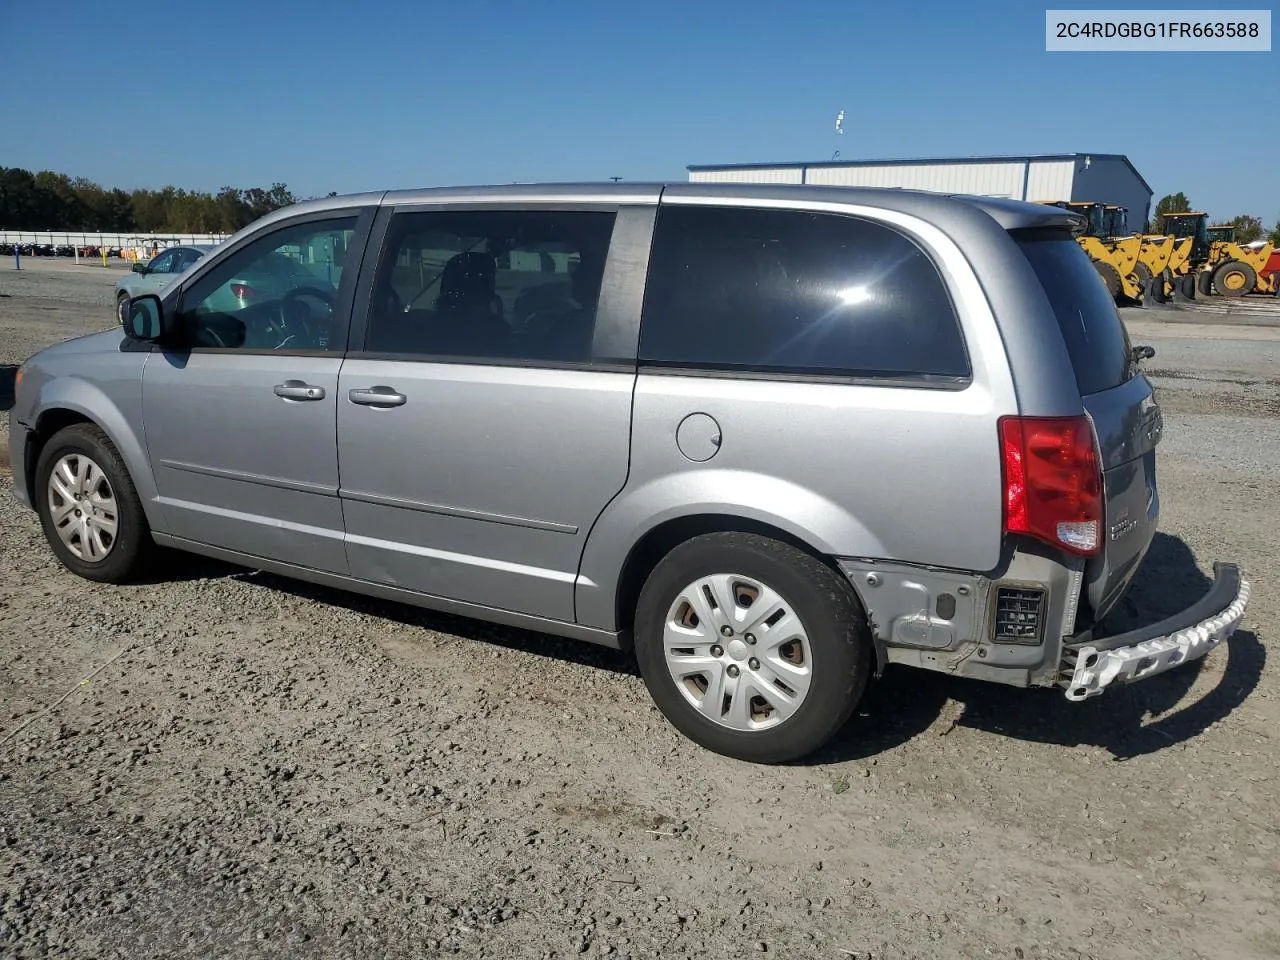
(240, 416)
(479, 433)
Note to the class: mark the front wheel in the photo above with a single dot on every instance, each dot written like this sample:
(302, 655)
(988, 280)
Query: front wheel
(89, 508)
(751, 648)
(1143, 274)
(1110, 277)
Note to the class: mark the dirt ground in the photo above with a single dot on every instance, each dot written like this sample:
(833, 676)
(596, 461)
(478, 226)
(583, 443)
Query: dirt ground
(259, 767)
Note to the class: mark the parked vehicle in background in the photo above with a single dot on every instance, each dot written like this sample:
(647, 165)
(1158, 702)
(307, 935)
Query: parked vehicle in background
(773, 438)
(152, 276)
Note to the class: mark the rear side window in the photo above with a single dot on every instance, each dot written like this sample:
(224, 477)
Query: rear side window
(793, 292)
(490, 284)
(1095, 335)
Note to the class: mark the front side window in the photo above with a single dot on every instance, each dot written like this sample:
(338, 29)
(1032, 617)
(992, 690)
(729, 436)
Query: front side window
(500, 285)
(793, 292)
(277, 293)
(164, 263)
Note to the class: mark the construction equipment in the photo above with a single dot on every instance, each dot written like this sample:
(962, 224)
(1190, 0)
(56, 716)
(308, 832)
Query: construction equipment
(1116, 221)
(1114, 256)
(1219, 264)
(1154, 253)
(1155, 259)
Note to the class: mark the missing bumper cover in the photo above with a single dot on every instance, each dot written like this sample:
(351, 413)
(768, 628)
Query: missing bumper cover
(1091, 666)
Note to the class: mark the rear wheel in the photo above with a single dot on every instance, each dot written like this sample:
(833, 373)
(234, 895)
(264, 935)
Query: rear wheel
(1188, 285)
(751, 648)
(1204, 282)
(88, 506)
(121, 299)
(1110, 277)
(1234, 279)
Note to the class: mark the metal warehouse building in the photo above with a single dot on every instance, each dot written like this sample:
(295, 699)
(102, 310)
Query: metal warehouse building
(1105, 177)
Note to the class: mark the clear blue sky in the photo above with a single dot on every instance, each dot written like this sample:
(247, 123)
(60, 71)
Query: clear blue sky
(391, 93)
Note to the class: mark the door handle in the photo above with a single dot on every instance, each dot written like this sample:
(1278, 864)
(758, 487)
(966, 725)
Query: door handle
(379, 396)
(297, 390)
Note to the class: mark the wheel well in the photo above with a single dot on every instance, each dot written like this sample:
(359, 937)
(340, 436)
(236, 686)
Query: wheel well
(662, 539)
(50, 422)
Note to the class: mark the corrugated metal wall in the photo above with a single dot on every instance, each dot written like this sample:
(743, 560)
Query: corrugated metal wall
(747, 175)
(1111, 181)
(1050, 180)
(1043, 179)
(989, 179)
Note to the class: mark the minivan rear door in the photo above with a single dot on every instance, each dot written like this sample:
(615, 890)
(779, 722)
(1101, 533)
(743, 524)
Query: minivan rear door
(1119, 400)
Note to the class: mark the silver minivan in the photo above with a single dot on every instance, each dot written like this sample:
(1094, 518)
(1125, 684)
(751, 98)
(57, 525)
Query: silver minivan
(772, 438)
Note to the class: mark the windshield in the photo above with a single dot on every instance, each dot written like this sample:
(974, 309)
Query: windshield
(1097, 226)
(1185, 227)
(1095, 336)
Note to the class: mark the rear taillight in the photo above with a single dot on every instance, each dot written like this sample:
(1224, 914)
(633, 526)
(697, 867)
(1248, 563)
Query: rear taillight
(242, 291)
(1052, 481)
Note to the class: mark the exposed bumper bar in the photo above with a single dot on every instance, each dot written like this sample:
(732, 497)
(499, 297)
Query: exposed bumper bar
(1153, 649)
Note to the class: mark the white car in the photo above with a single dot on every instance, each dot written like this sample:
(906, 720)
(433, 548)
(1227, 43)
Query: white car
(153, 275)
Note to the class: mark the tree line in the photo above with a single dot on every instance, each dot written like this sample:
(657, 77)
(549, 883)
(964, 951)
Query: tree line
(1248, 228)
(55, 201)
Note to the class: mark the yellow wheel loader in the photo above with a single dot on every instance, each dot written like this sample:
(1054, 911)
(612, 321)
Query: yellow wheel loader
(1154, 258)
(1115, 257)
(1219, 264)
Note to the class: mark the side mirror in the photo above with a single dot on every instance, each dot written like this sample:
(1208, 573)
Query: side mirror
(139, 267)
(143, 318)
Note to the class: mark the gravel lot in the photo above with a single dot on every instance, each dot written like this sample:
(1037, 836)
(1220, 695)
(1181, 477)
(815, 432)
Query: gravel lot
(266, 768)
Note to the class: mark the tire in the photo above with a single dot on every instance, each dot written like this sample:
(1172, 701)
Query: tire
(1234, 279)
(830, 651)
(1162, 291)
(121, 297)
(1204, 283)
(1188, 283)
(1143, 273)
(1110, 277)
(126, 552)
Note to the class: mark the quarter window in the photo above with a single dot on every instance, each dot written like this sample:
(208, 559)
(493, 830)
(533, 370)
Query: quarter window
(796, 292)
(277, 293)
(490, 285)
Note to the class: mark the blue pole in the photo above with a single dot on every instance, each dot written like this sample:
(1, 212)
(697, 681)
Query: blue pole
(17, 256)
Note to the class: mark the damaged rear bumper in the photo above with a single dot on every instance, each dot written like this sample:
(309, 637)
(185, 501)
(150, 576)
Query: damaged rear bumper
(1093, 665)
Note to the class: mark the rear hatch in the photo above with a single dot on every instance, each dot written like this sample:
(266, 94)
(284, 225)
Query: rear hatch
(1119, 401)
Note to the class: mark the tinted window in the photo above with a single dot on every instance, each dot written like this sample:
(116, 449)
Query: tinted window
(795, 292)
(1096, 338)
(277, 293)
(500, 284)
